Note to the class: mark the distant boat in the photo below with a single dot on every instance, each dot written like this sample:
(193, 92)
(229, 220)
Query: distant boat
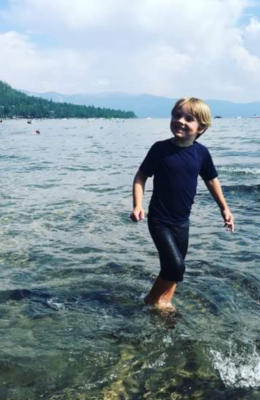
(217, 116)
(29, 121)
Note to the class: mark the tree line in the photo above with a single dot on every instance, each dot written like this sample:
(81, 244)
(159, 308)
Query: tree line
(15, 104)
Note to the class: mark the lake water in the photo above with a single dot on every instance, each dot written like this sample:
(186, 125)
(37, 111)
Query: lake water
(74, 269)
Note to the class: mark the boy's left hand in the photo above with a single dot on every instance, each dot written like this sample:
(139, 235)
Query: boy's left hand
(229, 220)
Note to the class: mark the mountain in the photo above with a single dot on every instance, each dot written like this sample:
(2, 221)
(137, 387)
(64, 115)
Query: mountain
(142, 105)
(145, 105)
(14, 103)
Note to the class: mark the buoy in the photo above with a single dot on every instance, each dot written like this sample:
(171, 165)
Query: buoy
(37, 131)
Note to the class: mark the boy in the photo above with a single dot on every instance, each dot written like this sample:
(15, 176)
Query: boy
(175, 164)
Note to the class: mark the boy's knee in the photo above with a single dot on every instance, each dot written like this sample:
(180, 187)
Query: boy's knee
(173, 273)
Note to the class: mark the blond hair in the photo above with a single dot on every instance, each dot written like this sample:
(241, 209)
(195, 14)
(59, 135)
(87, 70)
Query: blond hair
(197, 108)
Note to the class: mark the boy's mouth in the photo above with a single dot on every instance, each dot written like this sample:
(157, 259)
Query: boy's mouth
(179, 127)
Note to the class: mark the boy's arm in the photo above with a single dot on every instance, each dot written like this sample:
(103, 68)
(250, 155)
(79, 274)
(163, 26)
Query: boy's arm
(215, 189)
(138, 194)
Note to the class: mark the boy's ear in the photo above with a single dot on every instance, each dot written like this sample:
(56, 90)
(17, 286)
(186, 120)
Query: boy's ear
(201, 130)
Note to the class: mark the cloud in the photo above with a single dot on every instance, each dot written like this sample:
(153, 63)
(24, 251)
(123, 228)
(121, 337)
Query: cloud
(247, 63)
(54, 16)
(161, 47)
(251, 36)
(24, 66)
(103, 83)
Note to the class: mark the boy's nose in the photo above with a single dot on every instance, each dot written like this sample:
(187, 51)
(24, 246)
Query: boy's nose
(181, 120)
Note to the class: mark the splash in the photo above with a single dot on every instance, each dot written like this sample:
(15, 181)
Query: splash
(238, 369)
(240, 171)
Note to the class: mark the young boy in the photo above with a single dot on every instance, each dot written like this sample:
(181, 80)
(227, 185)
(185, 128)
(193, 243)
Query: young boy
(175, 164)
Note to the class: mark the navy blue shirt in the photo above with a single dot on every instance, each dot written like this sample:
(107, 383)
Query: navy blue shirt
(175, 171)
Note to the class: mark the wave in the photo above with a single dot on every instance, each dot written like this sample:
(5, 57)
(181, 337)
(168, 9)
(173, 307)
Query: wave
(239, 368)
(5, 157)
(240, 170)
(44, 302)
(242, 188)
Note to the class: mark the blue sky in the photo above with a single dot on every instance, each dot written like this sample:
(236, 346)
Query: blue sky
(172, 48)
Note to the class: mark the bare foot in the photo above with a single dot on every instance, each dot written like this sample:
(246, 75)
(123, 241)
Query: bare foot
(166, 306)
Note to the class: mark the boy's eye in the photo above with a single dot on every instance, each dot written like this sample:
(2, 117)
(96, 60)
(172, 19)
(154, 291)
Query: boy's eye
(177, 114)
(187, 117)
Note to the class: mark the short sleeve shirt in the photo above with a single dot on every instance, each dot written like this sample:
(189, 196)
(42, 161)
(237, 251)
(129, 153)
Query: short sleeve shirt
(175, 170)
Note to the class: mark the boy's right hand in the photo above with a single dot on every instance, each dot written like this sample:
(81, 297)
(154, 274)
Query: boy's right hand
(137, 214)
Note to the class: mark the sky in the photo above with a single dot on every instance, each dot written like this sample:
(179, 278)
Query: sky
(172, 48)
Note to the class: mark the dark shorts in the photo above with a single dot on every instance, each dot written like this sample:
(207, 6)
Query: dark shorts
(172, 245)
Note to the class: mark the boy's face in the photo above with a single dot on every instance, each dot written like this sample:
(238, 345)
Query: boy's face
(184, 125)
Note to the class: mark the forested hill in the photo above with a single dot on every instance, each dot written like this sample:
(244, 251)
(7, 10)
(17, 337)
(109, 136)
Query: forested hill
(15, 104)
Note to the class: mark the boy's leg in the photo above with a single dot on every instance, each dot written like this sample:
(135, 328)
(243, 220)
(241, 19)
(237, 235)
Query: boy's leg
(161, 294)
(172, 245)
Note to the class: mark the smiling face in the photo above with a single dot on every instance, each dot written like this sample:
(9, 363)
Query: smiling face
(184, 126)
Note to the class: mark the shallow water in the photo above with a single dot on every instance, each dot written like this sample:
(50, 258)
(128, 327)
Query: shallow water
(74, 269)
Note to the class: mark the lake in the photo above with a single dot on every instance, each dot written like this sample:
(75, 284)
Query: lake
(74, 269)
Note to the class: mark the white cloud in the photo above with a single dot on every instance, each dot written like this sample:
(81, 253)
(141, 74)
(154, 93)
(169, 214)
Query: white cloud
(75, 16)
(247, 63)
(164, 47)
(103, 83)
(25, 67)
(158, 67)
(251, 37)
(253, 29)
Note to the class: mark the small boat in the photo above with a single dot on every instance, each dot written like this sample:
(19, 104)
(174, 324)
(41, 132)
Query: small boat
(29, 121)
